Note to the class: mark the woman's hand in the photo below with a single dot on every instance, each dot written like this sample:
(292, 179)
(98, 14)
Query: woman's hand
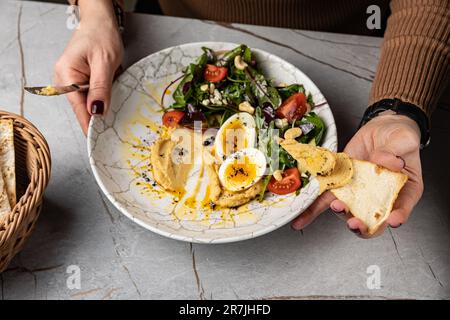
(389, 140)
(92, 56)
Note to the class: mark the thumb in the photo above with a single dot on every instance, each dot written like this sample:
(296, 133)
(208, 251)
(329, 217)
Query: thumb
(100, 84)
(313, 211)
(387, 158)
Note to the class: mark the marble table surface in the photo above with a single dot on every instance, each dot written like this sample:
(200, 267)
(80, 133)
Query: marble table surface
(81, 236)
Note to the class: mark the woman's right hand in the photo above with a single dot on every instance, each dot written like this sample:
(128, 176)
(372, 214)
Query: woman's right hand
(92, 56)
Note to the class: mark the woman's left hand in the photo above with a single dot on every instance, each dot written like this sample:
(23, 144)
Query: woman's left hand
(389, 140)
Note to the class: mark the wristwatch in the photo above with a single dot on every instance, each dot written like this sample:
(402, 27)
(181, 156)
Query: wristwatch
(404, 108)
(118, 12)
(120, 16)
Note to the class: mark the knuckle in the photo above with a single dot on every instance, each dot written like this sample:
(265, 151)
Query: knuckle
(109, 57)
(60, 65)
(411, 135)
(406, 134)
(99, 85)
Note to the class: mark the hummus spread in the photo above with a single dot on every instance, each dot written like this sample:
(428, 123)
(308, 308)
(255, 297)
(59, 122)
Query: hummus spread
(172, 164)
(228, 199)
(48, 91)
(172, 161)
(312, 159)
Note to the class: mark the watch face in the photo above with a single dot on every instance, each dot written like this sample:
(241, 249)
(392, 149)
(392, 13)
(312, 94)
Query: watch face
(423, 146)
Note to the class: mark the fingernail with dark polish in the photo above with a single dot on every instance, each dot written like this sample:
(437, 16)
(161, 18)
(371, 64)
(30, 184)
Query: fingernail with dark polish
(97, 107)
(397, 226)
(404, 163)
(355, 231)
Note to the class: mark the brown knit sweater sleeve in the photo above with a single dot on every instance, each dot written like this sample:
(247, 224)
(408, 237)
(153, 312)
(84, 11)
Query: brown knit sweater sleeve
(75, 2)
(415, 57)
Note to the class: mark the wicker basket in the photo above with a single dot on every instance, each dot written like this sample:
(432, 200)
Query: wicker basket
(33, 165)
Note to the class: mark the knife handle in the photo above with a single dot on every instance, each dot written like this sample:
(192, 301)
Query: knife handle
(80, 87)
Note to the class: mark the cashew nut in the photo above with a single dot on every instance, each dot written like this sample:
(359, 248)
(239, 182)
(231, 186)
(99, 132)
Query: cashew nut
(212, 87)
(217, 94)
(239, 63)
(281, 123)
(246, 107)
(277, 174)
(293, 133)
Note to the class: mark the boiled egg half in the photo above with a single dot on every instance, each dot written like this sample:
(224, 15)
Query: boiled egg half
(242, 169)
(237, 132)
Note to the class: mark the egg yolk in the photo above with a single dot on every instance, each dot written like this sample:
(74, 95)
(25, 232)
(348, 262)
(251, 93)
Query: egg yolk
(234, 137)
(241, 173)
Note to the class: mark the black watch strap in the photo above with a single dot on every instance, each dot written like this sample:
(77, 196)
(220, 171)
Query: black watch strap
(404, 108)
(120, 16)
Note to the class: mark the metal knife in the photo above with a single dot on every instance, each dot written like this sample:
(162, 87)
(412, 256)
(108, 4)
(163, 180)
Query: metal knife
(57, 90)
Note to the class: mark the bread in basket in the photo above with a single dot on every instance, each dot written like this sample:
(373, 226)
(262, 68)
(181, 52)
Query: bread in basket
(32, 172)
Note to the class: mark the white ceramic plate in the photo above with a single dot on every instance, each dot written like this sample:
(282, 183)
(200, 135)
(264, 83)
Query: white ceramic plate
(118, 147)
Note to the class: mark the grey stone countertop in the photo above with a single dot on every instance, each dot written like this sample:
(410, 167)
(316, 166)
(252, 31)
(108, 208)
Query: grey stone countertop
(79, 230)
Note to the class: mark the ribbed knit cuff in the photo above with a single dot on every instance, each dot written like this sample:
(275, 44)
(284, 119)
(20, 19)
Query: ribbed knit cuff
(415, 58)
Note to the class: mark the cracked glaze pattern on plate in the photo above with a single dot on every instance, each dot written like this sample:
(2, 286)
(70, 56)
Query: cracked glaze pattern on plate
(119, 143)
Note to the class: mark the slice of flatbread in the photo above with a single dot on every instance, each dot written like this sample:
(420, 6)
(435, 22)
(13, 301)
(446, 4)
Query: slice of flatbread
(7, 159)
(312, 159)
(371, 193)
(5, 208)
(340, 176)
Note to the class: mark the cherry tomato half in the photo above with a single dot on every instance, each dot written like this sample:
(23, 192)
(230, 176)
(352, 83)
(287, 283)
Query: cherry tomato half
(293, 108)
(215, 74)
(290, 182)
(172, 118)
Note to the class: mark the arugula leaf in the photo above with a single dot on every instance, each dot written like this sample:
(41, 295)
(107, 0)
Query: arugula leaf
(265, 145)
(286, 92)
(234, 92)
(286, 160)
(179, 96)
(225, 115)
(319, 128)
(305, 181)
(247, 56)
(261, 89)
(265, 142)
(259, 120)
(199, 95)
(213, 118)
(265, 184)
(209, 53)
(310, 100)
(230, 55)
(185, 89)
(274, 97)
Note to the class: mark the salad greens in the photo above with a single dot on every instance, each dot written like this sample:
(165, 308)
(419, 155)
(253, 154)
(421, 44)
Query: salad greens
(185, 89)
(286, 92)
(216, 84)
(317, 131)
(239, 85)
